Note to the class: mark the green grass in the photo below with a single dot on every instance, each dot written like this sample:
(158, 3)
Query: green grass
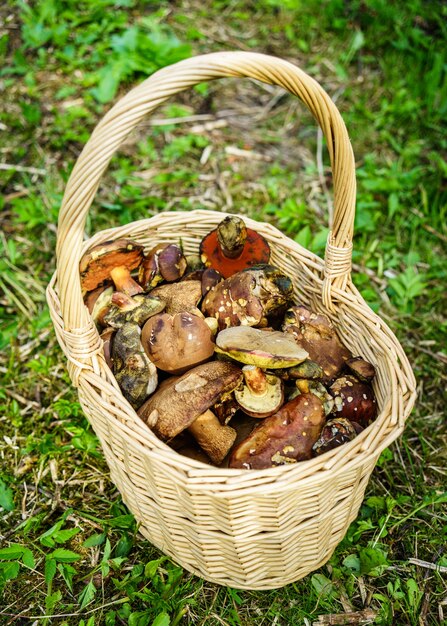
(70, 552)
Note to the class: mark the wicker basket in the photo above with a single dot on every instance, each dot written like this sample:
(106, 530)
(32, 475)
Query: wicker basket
(248, 529)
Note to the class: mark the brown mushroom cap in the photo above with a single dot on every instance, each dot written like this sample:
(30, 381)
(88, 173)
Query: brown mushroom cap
(315, 334)
(98, 302)
(179, 297)
(363, 370)
(175, 343)
(163, 262)
(252, 346)
(96, 264)
(248, 297)
(107, 338)
(286, 437)
(354, 400)
(175, 407)
(335, 432)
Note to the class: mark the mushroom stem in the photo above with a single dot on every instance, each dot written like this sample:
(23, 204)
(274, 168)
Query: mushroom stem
(303, 385)
(124, 281)
(232, 235)
(214, 438)
(255, 379)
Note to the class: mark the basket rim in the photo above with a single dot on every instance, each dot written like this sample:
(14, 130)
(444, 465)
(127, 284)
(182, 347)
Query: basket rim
(230, 476)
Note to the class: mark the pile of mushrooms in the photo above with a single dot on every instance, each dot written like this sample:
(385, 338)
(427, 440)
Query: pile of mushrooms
(216, 358)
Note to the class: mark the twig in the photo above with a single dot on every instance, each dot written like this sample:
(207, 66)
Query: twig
(247, 154)
(366, 616)
(22, 168)
(438, 568)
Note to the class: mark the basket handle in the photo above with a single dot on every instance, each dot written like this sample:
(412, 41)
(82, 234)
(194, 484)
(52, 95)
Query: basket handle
(143, 99)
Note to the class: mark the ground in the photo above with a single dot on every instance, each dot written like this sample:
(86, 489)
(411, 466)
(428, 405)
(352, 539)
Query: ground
(70, 552)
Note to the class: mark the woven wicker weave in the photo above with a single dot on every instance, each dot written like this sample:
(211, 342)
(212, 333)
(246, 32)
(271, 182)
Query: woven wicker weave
(248, 529)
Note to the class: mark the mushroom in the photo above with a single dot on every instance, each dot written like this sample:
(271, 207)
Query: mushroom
(164, 262)
(314, 333)
(107, 338)
(354, 400)
(98, 303)
(335, 432)
(134, 372)
(249, 298)
(138, 309)
(112, 260)
(208, 277)
(226, 408)
(185, 403)
(318, 389)
(193, 263)
(285, 437)
(307, 369)
(232, 247)
(261, 395)
(253, 346)
(180, 297)
(175, 343)
(363, 370)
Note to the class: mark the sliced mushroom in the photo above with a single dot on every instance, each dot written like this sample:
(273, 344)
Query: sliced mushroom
(252, 346)
(285, 437)
(180, 297)
(175, 343)
(261, 395)
(183, 400)
(249, 298)
(164, 262)
(134, 372)
(363, 370)
(354, 400)
(232, 247)
(315, 334)
(137, 309)
(112, 260)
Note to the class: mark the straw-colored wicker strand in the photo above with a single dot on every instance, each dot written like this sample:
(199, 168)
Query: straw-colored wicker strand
(125, 115)
(256, 529)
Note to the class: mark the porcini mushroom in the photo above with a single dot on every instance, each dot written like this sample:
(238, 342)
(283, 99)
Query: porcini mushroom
(335, 432)
(354, 400)
(180, 297)
(107, 338)
(182, 401)
(249, 298)
(138, 309)
(307, 369)
(232, 247)
(112, 260)
(164, 262)
(252, 346)
(134, 372)
(177, 342)
(261, 394)
(318, 389)
(315, 334)
(285, 437)
(363, 370)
